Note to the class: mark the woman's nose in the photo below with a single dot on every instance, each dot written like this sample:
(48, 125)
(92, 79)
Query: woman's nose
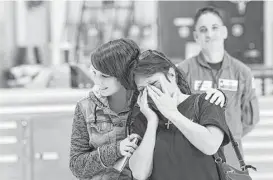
(209, 34)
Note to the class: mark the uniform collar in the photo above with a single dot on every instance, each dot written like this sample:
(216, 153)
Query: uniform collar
(226, 60)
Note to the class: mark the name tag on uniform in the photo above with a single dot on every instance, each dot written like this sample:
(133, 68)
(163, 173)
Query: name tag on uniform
(228, 84)
(202, 85)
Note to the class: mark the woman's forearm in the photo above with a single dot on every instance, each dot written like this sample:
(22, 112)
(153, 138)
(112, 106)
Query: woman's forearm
(141, 162)
(206, 139)
(87, 164)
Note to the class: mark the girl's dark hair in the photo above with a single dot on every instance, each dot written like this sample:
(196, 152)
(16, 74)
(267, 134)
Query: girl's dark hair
(115, 58)
(205, 10)
(151, 62)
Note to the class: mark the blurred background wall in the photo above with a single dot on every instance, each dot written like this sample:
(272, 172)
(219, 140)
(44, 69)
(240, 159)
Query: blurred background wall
(45, 48)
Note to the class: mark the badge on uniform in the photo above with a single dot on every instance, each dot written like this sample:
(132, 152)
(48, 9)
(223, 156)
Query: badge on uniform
(228, 84)
(202, 85)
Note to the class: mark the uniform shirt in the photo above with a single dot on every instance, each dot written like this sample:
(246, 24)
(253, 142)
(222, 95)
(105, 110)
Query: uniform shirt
(235, 80)
(175, 158)
(96, 134)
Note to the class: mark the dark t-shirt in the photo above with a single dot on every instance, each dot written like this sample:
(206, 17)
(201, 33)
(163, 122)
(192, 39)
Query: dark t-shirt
(175, 158)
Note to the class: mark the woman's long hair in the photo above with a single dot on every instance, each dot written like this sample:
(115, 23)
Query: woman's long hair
(149, 63)
(116, 58)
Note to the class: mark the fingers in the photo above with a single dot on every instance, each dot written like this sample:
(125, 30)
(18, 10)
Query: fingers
(163, 86)
(156, 90)
(133, 136)
(129, 149)
(209, 93)
(221, 100)
(174, 94)
(152, 94)
(218, 101)
(214, 97)
(133, 145)
(142, 98)
(222, 103)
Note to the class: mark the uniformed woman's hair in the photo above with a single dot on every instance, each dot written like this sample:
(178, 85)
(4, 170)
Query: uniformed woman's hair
(115, 58)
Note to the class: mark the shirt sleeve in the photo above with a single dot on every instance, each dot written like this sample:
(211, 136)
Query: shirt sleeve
(214, 115)
(250, 108)
(85, 160)
(139, 125)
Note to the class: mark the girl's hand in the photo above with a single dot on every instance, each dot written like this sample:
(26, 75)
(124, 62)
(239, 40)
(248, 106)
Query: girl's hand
(142, 101)
(127, 147)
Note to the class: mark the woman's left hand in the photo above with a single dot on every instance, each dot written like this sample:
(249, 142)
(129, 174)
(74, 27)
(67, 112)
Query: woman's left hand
(217, 97)
(164, 101)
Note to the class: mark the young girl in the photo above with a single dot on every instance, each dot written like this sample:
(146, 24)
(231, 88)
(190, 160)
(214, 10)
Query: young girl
(98, 137)
(174, 146)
